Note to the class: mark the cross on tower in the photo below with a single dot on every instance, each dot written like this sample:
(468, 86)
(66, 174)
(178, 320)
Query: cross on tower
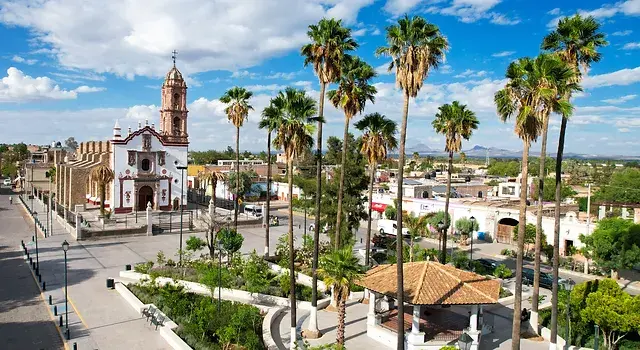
(175, 54)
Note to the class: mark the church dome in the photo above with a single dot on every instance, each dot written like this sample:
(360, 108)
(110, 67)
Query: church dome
(174, 74)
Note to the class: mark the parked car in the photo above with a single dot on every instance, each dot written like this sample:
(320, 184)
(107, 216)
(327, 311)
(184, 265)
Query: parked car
(488, 264)
(382, 241)
(546, 280)
(7, 182)
(389, 227)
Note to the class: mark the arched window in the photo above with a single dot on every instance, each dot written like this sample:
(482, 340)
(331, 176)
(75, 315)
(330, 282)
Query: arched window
(145, 165)
(176, 125)
(425, 194)
(176, 101)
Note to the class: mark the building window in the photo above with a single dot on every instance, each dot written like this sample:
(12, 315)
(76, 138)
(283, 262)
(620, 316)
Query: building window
(145, 165)
(176, 126)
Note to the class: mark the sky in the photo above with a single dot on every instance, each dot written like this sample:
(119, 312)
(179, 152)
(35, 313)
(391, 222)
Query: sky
(74, 67)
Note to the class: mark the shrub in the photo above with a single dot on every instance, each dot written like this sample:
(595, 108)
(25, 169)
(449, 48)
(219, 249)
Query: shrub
(505, 293)
(195, 243)
(505, 252)
(461, 260)
(255, 274)
(143, 267)
(502, 271)
(448, 347)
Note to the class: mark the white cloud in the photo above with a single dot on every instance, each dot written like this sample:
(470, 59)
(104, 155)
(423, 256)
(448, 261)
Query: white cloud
(445, 69)
(469, 11)
(503, 54)
(631, 7)
(245, 74)
(622, 33)
(621, 99)
(304, 84)
(624, 129)
(554, 12)
(471, 74)
(141, 113)
(359, 32)
(19, 59)
(376, 31)
(383, 69)
(85, 89)
(282, 75)
(135, 38)
(270, 87)
(18, 87)
(628, 8)
(75, 76)
(625, 76)
(400, 7)
(631, 46)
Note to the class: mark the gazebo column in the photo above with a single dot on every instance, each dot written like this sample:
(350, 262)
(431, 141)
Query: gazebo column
(415, 337)
(473, 327)
(371, 315)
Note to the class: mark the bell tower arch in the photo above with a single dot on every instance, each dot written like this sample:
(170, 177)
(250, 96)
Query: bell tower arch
(173, 112)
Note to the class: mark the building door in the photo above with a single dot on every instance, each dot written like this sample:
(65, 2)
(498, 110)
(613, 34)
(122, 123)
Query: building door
(506, 228)
(145, 195)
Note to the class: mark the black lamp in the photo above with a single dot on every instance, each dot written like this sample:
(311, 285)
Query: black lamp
(465, 341)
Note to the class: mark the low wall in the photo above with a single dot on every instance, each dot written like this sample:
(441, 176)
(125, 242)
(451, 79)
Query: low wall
(86, 234)
(300, 277)
(70, 229)
(267, 323)
(546, 334)
(166, 329)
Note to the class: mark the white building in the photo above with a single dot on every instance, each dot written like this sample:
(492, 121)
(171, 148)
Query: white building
(232, 162)
(511, 188)
(146, 161)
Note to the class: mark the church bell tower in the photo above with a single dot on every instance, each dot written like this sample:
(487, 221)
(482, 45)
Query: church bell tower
(173, 113)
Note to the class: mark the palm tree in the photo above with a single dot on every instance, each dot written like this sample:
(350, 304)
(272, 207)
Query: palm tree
(576, 40)
(340, 269)
(534, 87)
(415, 47)
(329, 42)
(271, 117)
(238, 107)
(455, 122)
(379, 137)
(417, 226)
(351, 96)
(103, 175)
(293, 135)
(211, 178)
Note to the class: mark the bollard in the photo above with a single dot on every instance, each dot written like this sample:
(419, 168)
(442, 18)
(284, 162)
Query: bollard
(127, 267)
(50, 300)
(55, 310)
(33, 238)
(22, 242)
(68, 335)
(39, 276)
(44, 286)
(60, 320)
(75, 346)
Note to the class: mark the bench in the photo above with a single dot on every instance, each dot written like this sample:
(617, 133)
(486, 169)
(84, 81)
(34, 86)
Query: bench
(157, 320)
(149, 312)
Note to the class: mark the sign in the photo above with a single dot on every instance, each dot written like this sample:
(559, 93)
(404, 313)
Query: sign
(379, 207)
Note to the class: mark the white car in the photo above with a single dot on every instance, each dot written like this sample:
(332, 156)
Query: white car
(389, 227)
(7, 182)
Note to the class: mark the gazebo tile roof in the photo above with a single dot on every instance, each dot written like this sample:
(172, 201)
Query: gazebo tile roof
(431, 283)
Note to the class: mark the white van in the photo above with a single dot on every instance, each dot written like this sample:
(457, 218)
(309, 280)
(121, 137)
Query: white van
(389, 227)
(255, 210)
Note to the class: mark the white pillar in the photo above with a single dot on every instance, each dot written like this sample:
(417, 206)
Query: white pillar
(78, 226)
(149, 222)
(294, 337)
(415, 337)
(473, 320)
(211, 209)
(415, 321)
(371, 315)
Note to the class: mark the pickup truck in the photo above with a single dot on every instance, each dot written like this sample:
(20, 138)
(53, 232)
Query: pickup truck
(389, 227)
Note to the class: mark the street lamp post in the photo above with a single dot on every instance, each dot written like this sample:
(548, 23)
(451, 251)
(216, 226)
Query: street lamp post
(568, 286)
(65, 247)
(440, 230)
(465, 341)
(473, 226)
(219, 275)
(35, 233)
(182, 168)
(596, 341)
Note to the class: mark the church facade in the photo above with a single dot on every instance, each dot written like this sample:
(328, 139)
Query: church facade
(146, 162)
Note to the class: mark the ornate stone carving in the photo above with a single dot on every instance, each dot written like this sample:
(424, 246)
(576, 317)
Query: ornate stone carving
(132, 157)
(161, 158)
(146, 142)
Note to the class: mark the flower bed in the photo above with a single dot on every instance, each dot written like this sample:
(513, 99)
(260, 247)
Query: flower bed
(235, 325)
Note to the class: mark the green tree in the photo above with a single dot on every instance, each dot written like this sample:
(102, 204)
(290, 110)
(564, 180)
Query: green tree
(294, 137)
(529, 234)
(617, 313)
(390, 212)
(240, 185)
(255, 273)
(340, 269)
(415, 47)
(549, 190)
(21, 152)
(237, 110)
(379, 137)
(533, 89)
(622, 188)
(465, 226)
(417, 226)
(354, 89)
(455, 122)
(614, 244)
(435, 219)
(195, 243)
(231, 241)
(504, 168)
(103, 175)
(576, 40)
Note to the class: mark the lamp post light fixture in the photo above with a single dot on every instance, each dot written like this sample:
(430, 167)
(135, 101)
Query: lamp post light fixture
(65, 247)
(473, 226)
(219, 275)
(465, 341)
(568, 286)
(181, 168)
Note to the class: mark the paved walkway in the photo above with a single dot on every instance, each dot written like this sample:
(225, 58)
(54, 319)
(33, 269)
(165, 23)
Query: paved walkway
(99, 318)
(25, 322)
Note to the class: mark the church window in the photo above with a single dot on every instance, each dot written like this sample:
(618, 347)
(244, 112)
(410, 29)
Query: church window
(145, 165)
(176, 126)
(176, 101)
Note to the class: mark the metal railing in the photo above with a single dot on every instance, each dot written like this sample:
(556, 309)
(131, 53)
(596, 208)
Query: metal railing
(35, 218)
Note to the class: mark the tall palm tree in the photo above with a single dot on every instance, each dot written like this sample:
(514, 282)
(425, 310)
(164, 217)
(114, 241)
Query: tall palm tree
(271, 117)
(379, 137)
(238, 107)
(418, 227)
(576, 40)
(534, 86)
(351, 96)
(340, 269)
(455, 122)
(329, 42)
(103, 175)
(293, 135)
(415, 47)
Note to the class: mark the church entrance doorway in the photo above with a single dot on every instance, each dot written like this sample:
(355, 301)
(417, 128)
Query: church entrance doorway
(145, 195)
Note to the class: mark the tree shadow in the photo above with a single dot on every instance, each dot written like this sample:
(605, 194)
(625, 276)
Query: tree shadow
(30, 335)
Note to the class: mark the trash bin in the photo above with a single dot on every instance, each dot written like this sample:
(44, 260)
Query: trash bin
(481, 236)
(110, 283)
(127, 267)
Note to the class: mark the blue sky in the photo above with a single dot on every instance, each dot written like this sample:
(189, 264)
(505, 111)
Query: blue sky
(71, 67)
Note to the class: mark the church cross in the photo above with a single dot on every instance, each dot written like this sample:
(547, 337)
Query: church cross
(175, 54)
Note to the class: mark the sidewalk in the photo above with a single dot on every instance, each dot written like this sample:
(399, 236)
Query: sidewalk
(99, 318)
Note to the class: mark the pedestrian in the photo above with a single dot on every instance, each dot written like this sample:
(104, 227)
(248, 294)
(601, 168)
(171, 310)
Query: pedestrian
(10, 200)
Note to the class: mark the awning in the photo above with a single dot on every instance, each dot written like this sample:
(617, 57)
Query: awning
(379, 207)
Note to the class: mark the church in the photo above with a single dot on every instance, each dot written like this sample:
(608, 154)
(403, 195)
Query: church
(145, 162)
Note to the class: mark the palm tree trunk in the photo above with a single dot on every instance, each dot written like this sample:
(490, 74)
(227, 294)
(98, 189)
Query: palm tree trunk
(235, 202)
(342, 309)
(399, 265)
(443, 252)
(103, 190)
(345, 141)
(372, 170)
(542, 175)
(313, 318)
(517, 306)
(268, 204)
(556, 235)
(292, 255)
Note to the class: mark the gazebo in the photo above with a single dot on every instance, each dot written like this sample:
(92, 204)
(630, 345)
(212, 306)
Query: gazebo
(431, 288)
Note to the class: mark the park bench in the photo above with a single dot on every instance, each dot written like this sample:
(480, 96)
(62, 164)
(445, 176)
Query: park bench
(149, 312)
(157, 320)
